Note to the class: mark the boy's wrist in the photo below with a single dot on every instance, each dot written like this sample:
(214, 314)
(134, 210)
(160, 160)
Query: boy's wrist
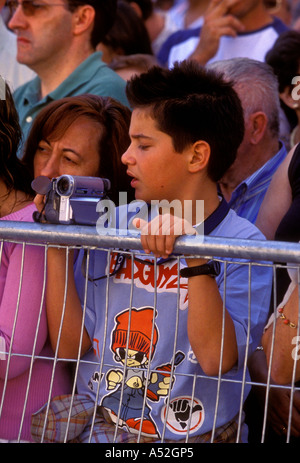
(209, 268)
(195, 262)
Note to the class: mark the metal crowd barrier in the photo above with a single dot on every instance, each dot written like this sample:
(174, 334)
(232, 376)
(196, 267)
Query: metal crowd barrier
(46, 235)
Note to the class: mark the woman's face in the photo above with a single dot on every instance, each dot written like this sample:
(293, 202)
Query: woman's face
(75, 153)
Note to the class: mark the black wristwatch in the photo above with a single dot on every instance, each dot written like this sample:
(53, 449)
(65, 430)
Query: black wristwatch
(211, 268)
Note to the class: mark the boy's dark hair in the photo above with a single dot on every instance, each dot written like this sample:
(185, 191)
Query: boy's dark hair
(105, 16)
(190, 103)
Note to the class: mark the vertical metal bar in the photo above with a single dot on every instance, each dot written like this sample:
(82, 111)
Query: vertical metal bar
(151, 343)
(55, 355)
(81, 334)
(104, 341)
(289, 423)
(4, 351)
(127, 344)
(191, 411)
(246, 355)
(221, 356)
(33, 348)
(271, 357)
(167, 404)
(13, 329)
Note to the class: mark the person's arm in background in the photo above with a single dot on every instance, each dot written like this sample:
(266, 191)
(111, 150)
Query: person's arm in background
(278, 407)
(277, 200)
(217, 22)
(64, 310)
(58, 266)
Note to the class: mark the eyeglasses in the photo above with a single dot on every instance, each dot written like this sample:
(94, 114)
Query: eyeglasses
(29, 7)
(140, 357)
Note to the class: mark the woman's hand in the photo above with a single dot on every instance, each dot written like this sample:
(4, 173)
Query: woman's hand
(39, 202)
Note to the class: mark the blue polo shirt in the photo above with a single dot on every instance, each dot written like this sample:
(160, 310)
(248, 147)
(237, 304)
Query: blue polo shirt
(249, 194)
(91, 76)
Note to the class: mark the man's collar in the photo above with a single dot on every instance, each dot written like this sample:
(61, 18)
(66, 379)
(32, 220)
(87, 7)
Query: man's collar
(83, 73)
(262, 173)
(266, 169)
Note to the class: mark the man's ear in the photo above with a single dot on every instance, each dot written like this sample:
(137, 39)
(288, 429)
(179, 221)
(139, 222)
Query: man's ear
(83, 19)
(286, 97)
(199, 156)
(258, 125)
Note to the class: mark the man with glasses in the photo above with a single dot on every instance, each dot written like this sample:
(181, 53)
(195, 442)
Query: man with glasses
(13, 72)
(57, 39)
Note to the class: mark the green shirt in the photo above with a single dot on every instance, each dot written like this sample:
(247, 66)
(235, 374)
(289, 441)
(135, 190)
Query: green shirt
(91, 76)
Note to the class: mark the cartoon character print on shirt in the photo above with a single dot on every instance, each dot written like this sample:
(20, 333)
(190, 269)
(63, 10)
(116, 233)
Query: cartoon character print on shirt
(130, 384)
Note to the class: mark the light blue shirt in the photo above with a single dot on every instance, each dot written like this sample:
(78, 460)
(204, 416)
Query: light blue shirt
(91, 76)
(132, 290)
(248, 196)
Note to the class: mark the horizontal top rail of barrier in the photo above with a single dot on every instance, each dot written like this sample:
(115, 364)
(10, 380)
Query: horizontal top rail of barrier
(78, 235)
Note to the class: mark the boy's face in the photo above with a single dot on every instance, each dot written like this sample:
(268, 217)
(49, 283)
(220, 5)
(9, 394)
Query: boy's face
(158, 172)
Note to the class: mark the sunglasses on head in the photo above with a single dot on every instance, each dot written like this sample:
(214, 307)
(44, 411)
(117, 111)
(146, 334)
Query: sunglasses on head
(29, 7)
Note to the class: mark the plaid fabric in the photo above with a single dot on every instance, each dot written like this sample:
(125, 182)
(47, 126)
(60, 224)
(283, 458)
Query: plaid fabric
(59, 426)
(79, 426)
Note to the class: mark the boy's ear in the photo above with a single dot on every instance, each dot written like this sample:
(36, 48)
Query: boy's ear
(200, 154)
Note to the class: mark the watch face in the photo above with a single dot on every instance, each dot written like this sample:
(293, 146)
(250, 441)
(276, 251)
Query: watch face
(216, 267)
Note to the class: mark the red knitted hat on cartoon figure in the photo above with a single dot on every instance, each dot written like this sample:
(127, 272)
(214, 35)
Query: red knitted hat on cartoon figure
(141, 330)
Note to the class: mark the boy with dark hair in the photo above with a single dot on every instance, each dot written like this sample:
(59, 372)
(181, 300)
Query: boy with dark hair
(156, 336)
(184, 97)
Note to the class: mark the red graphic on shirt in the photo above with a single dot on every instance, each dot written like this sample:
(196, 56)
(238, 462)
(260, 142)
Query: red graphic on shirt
(133, 343)
(143, 273)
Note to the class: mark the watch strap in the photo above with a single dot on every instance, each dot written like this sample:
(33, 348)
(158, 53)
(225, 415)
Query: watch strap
(211, 268)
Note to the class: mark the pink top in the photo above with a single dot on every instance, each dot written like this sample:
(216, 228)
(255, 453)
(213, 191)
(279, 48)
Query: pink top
(19, 335)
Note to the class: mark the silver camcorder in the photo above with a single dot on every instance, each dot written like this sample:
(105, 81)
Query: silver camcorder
(71, 199)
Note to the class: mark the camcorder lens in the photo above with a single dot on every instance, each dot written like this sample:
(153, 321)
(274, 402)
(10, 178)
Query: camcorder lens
(63, 186)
